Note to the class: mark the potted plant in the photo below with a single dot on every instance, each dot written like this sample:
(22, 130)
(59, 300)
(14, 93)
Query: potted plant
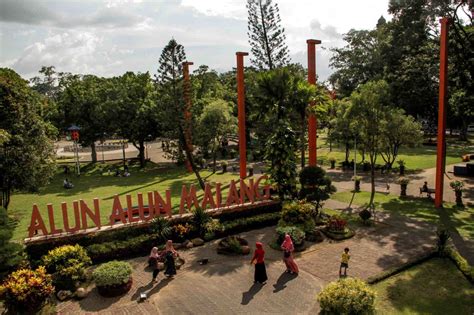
(401, 164)
(356, 180)
(403, 182)
(113, 278)
(332, 160)
(224, 166)
(457, 186)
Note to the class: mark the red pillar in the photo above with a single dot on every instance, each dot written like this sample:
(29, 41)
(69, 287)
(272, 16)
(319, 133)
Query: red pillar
(241, 113)
(312, 123)
(187, 110)
(441, 143)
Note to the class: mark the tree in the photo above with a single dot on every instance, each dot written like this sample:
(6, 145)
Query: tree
(341, 126)
(137, 111)
(214, 125)
(400, 130)
(266, 35)
(27, 151)
(83, 99)
(316, 186)
(369, 106)
(171, 91)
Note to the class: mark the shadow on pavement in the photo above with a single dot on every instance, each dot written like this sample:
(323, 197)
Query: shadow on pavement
(282, 280)
(248, 296)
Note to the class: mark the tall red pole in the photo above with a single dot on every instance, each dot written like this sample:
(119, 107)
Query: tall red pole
(187, 111)
(441, 143)
(241, 113)
(312, 123)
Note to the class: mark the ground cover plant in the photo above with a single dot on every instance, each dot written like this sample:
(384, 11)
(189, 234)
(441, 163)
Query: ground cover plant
(440, 289)
(97, 182)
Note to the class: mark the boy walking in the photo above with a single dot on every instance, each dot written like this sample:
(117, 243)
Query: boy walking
(344, 262)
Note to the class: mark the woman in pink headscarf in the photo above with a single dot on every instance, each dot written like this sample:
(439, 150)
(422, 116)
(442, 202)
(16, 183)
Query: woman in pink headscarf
(288, 248)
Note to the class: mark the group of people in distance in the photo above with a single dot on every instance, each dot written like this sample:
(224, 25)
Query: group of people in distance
(169, 254)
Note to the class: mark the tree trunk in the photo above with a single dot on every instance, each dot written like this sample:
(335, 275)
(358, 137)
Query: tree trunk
(93, 153)
(5, 198)
(347, 153)
(141, 153)
(214, 158)
(302, 140)
(189, 156)
(372, 183)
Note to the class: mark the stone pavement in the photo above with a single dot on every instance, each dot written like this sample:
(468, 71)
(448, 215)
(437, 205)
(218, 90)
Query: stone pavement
(225, 284)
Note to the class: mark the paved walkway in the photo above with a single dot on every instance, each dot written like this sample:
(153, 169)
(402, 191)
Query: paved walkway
(225, 285)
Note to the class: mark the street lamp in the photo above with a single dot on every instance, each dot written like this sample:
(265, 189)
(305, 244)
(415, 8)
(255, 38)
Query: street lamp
(75, 137)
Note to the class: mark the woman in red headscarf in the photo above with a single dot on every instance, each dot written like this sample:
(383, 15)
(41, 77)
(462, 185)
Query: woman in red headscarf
(260, 275)
(288, 249)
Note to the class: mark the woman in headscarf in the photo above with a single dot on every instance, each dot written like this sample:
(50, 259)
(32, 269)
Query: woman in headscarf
(288, 248)
(170, 254)
(153, 262)
(258, 259)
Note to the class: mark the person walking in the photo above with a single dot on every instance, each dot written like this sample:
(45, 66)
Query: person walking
(153, 260)
(170, 254)
(344, 262)
(288, 248)
(260, 275)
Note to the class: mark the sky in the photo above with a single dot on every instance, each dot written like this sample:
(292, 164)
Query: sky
(110, 37)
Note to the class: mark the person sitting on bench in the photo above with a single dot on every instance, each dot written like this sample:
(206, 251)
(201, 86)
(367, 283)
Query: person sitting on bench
(425, 187)
(67, 184)
(426, 190)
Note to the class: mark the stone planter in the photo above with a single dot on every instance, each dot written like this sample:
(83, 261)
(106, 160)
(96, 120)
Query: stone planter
(357, 185)
(115, 290)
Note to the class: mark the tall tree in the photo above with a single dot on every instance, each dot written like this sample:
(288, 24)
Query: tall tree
(215, 124)
(137, 111)
(369, 106)
(26, 149)
(171, 97)
(266, 35)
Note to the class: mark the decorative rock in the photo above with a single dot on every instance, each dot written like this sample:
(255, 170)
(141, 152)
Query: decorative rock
(189, 245)
(185, 243)
(197, 241)
(63, 295)
(245, 250)
(81, 293)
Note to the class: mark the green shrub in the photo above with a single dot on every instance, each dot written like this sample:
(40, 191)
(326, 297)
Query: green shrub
(26, 290)
(67, 264)
(112, 273)
(347, 296)
(160, 226)
(298, 214)
(461, 263)
(315, 185)
(133, 247)
(297, 235)
(234, 245)
(199, 220)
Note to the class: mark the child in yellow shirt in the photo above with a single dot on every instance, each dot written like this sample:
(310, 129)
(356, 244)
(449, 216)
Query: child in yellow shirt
(344, 262)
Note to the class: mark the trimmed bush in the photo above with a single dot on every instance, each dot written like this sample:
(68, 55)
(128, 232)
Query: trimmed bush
(347, 296)
(26, 290)
(67, 264)
(297, 235)
(461, 263)
(298, 214)
(112, 273)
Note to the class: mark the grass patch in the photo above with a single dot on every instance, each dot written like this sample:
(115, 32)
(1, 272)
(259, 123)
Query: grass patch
(440, 288)
(96, 182)
(418, 208)
(422, 157)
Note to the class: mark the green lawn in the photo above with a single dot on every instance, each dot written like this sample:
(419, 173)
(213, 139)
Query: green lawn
(96, 183)
(434, 287)
(422, 157)
(419, 208)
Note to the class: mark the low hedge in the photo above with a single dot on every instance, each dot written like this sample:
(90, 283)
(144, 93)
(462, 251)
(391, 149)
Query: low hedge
(461, 263)
(140, 235)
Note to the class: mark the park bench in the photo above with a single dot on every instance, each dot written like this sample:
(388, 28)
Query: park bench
(428, 192)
